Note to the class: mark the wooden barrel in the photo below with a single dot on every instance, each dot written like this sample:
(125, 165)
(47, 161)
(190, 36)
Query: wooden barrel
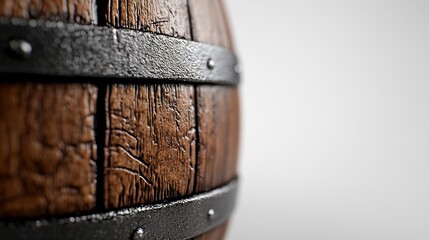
(78, 141)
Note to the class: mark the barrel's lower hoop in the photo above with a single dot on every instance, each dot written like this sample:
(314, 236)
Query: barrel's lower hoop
(64, 49)
(181, 219)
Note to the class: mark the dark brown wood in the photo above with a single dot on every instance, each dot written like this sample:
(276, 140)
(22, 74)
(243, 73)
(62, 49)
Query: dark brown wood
(209, 23)
(161, 141)
(47, 149)
(218, 109)
(47, 140)
(167, 17)
(218, 130)
(150, 139)
(150, 144)
(218, 106)
(79, 11)
(215, 234)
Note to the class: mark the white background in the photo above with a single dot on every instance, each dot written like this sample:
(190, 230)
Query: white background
(335, 119)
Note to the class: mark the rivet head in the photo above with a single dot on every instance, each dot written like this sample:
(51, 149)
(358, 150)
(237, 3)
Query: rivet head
(210, 63)
(21, 47)
(211, 213)
(138, 234)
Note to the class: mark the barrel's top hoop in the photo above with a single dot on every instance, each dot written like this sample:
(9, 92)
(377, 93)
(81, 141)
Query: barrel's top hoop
(181, 219)
(63, 49)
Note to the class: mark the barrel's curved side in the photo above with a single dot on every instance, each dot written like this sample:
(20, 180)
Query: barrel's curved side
(218, 128)
(216, 107)
(69, 148)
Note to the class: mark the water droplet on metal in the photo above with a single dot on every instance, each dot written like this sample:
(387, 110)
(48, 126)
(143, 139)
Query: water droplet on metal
(21, 47)
(210, 63)
(138, 234)
(211, 213)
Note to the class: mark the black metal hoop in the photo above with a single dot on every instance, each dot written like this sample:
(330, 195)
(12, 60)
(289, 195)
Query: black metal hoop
(56, 48)
(182, 219)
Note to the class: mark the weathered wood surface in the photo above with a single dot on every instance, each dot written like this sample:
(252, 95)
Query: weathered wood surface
(218, 130)
(217, 109)
(161, 141)
(47, 149)
(218, 106)
(209, 23)
(47, 136)
(79, 11)
(151, 131)
(217, 233)
(167, 17)
(150, 144)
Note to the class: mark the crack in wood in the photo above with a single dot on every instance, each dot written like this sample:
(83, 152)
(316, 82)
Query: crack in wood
(129, 171)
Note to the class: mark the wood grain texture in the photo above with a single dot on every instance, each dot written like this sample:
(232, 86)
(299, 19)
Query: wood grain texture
(150, 144)
(209, 23)
(217, 106)
(151, 136)
(78, 11)
(218, 131)
(47, 149)
(217, 109)
(217, 233)
(151, 140)
(167, 17)
(47, 137)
